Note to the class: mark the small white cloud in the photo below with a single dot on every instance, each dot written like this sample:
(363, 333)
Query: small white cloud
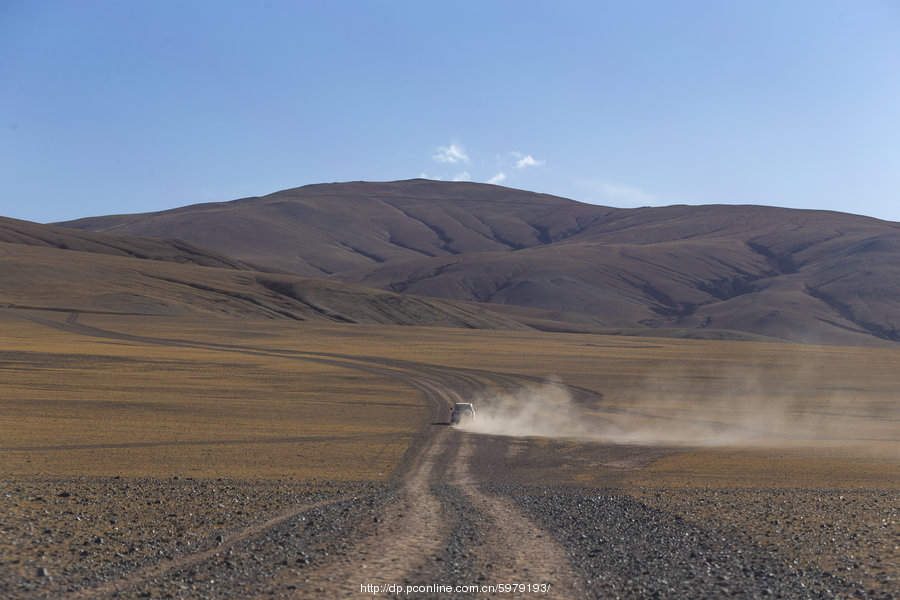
(451, 154)
(464, 176)
(527, 161)
(498, 178)
(434, 178)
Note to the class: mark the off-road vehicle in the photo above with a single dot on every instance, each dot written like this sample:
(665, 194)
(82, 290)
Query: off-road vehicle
(462, 411)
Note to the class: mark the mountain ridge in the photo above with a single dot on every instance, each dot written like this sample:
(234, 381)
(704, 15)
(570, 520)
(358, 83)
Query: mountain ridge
(786, 273)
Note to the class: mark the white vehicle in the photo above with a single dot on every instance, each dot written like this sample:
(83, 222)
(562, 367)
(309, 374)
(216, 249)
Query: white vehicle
(462, 411)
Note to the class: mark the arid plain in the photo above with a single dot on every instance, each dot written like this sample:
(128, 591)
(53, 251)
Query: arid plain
(672, 402)
(214, 457)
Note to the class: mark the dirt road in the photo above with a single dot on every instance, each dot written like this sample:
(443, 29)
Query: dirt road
(473, 516)
(434, 492)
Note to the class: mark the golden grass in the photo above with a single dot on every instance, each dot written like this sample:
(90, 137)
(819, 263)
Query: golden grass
(73, 404)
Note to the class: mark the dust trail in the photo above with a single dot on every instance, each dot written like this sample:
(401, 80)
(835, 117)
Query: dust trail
(729, 412)
(548, 410)
(542, 410)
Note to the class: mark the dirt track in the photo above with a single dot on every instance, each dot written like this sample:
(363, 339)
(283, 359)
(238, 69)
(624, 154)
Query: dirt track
(413, 527)
(473, 511)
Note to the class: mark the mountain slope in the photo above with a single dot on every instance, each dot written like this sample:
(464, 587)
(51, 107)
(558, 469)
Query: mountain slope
(320, 230)
(14, 231)
(51, 268)
(798, 275)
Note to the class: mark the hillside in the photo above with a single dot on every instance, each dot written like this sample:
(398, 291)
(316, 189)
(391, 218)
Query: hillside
(52, 268)
(812, 276)
(25, 233)
(323, 230)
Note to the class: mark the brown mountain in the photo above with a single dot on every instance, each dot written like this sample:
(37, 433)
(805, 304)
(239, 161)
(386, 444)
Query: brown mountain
(53, 268)
(322, 230)
(555, 263)
(25, 233)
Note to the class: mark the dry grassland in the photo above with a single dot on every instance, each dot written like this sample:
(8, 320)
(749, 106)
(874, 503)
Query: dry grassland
(76, 405)
(794, 449)
(73, 404)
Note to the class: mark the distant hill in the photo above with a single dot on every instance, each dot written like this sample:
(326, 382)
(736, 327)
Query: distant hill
(553, 263)
(25, 233)
(328, 229)
(44, 267)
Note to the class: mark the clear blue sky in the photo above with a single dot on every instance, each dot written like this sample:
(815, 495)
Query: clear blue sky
(114, 106)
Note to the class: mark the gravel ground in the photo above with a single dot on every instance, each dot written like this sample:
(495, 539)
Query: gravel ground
(627, 548)
(854, 534)
(256, 565)
(63, 536)
(181, 538)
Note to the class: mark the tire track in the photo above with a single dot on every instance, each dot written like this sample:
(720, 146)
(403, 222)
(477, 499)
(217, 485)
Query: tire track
(518, 549)
(410, 530)
(180, 562)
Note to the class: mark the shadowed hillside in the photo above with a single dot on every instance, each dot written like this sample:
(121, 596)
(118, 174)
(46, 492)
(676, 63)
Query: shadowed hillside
(554, 263)
(13, 231)
(322, 230)
(52, 268)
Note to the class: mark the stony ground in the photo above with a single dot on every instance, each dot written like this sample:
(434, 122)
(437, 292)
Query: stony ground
(184, 538)
(167, 538)
(716, 544)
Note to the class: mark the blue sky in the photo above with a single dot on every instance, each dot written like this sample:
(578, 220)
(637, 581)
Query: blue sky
(139, 105)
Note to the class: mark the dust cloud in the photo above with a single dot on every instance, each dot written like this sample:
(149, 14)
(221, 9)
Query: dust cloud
(542, 410)
(733, 411)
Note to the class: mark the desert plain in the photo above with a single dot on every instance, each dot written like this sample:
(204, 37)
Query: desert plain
(202, 457)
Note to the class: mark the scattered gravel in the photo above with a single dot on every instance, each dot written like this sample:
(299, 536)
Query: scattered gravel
(627, 548)
(257, 564)
(854, 534)
(63, 536)
(73, 537)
